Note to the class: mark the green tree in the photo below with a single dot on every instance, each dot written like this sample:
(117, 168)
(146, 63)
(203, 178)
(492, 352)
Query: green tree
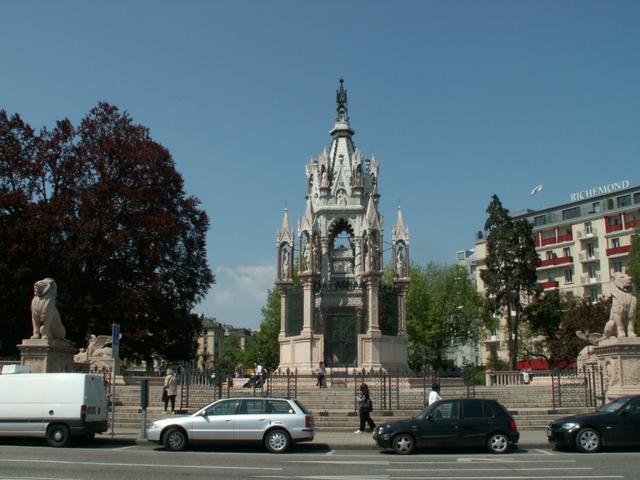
(510, 274)
(263, 346)
(443, 310)
(230, 354)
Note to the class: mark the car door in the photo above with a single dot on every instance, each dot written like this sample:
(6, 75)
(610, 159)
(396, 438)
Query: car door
(475, 423)
(252, 420)
(441, 427)
(625, 425)
(216, 422)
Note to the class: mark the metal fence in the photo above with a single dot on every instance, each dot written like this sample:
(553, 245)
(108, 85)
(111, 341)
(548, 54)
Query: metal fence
(578, 388)
(389, 391)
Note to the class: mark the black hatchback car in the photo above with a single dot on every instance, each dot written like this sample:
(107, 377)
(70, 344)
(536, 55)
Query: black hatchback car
(615, 424)
(452, 423)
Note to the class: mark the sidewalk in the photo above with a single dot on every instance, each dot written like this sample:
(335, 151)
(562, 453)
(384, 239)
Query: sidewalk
(340, 440)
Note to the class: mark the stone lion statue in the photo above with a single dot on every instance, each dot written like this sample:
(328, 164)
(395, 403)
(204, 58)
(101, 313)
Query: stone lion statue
(44, 313)
(98, 353)
(623, 309)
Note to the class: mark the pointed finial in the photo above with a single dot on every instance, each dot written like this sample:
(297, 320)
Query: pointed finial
(341, 101)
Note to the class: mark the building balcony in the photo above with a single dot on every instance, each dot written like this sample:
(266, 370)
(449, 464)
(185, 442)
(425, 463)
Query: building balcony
(554, 240)
(589, 280)
(553, 262)
(612, 227)
(585, 235)
(549, 284)
(586, 257)
(631, 224)
(618, 251)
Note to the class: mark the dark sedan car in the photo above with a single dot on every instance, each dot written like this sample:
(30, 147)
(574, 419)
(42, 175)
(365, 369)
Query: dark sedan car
(615, 424)
(452, 423)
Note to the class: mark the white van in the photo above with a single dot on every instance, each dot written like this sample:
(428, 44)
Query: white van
(56, 406)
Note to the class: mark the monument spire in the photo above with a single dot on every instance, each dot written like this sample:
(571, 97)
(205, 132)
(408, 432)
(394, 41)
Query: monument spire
(342, 128)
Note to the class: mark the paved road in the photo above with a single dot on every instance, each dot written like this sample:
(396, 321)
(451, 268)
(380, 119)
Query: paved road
(33, 460)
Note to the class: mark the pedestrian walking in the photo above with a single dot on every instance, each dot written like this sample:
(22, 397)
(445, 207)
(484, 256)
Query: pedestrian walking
(434, 394)
(319, 372)
(171, 390)
(365, 407)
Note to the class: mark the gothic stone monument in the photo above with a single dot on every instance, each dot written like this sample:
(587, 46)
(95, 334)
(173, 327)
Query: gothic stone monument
(341, 313)
(618, 352)
(47, 351)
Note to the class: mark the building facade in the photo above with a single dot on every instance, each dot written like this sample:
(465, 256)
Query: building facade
(337, 310)
(581, 244)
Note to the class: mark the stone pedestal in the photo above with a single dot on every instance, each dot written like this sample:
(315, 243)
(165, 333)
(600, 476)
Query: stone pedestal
(619, 361)
(47, 356)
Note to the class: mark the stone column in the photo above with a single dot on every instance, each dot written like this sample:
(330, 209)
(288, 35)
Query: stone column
(372, 279)
(402, 286)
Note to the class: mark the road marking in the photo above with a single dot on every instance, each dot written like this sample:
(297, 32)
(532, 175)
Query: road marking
(36, 478)
(519, 477)
(475, 469)
(139, 465)
(330, 452)
(546, 452)
(343, 462)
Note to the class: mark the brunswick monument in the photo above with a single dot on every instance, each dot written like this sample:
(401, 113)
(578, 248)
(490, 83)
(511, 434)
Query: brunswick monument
(334, 306)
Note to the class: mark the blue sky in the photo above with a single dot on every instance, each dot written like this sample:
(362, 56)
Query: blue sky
(457, 100)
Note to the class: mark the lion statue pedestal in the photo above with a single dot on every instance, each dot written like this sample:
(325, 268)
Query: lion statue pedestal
(618, 352)
(46, 351)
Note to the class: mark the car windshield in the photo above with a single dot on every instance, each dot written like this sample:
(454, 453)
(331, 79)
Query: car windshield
(424, 413)
(613, 406)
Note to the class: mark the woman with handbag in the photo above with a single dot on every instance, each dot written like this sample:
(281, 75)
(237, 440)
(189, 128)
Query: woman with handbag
(365, 406)
(170, 390)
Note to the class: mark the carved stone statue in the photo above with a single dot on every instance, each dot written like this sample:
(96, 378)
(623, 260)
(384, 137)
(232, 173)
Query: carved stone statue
(400, 263)
(285, 263)
(306, 254)
(623, 309)
(98, 354)
(324, 182)
(44, 313)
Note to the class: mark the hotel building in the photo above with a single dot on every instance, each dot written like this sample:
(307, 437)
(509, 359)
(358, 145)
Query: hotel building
(581, 244)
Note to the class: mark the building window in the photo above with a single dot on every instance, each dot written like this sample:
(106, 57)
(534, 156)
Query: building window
(550, 277)
(590, 250)
(617, 266)
(566, 251)
(636, 198)
(550, 255)
(571, 213)
(592, 271)
(588, 228)
(593, 295)
(595, 207)
(568, 275)
(623, 201)
(615, 242)
(541, 220)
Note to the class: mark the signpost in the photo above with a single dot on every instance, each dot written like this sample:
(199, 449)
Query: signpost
(115, 352)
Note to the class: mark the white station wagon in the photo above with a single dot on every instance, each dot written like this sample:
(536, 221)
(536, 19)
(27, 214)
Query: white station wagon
(276, 422)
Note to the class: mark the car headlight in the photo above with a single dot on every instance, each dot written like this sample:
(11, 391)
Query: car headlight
(569, 426)
(153, 426)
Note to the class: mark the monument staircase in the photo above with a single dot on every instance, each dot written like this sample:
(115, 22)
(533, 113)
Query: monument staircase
(333, 408)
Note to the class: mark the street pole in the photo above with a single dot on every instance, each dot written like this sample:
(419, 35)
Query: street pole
(115, 353)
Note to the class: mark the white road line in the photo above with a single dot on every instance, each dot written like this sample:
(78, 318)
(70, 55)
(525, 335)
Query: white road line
(475, 469)
(342, 462)
(330, 452)
(36, 478)
(519, 477)
(546, 452)
(139, 465)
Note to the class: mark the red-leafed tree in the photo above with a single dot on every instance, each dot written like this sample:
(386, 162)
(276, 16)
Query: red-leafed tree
(106, 215)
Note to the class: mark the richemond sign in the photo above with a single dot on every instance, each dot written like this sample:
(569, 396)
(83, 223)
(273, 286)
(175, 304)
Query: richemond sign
(601, 190)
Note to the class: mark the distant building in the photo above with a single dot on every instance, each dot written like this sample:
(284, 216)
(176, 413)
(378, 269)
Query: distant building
(581, 245)
(243, 334)
(209, 343)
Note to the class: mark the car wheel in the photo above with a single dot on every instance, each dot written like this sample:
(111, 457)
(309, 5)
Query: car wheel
(404, 444)
(175, 440)
(277, 441)
(498, 443)
(58, 435)
(588, 440)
